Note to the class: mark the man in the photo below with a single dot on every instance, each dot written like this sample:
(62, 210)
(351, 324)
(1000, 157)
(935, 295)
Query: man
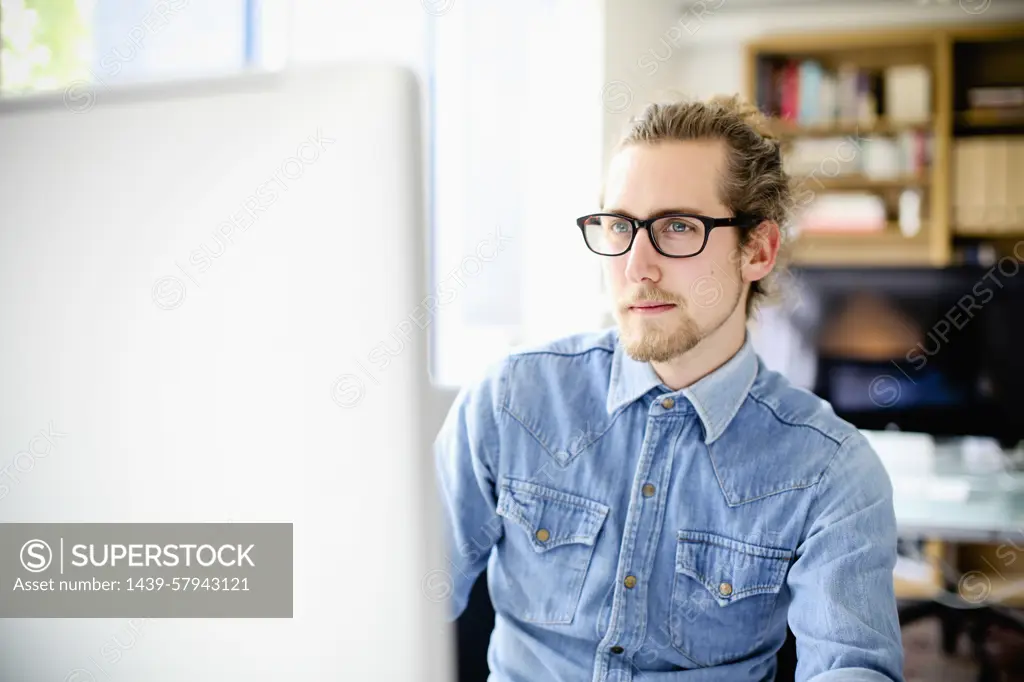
(650, 501)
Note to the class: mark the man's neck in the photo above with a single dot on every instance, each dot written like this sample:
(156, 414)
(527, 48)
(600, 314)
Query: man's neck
(712, 352)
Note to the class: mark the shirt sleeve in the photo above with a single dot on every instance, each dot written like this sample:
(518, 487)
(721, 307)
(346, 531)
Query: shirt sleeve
(465, 456)
(843, 610)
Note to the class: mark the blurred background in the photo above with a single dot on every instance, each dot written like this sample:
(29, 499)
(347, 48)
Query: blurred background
(903, 123)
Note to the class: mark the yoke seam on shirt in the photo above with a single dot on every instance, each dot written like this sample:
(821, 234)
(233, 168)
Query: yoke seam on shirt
(787, 422)
(564, 354)
(507, 389)
(839, 443)
(530, 431)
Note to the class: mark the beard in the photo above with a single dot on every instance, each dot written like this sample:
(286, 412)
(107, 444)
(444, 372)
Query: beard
(666, 336)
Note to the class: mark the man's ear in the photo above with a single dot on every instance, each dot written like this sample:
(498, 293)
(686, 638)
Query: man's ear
(760, 252)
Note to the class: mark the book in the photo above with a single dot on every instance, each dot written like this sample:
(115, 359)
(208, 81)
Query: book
(844, 212)
(1015, 180)
(986, 98)
(790, 106)
(908, 93)
(996, 200)
(809, 93)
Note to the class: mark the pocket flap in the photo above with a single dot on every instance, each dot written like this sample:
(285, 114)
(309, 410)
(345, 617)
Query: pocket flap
(551, 517)
(730, 569)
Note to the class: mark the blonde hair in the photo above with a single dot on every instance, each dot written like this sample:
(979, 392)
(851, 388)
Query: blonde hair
(754, 182)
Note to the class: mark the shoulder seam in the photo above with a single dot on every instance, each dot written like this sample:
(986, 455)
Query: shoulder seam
(842, 444)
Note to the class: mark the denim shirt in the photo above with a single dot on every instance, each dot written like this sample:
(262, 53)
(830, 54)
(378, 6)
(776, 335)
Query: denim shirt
(631, 532)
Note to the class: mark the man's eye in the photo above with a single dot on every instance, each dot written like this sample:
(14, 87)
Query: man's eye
(621, 227)
(678, 226)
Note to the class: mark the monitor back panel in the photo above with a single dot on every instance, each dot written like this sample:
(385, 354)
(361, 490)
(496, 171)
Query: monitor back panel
(209, 303)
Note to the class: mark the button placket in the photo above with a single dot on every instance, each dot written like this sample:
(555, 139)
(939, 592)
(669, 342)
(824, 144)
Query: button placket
(645, 517)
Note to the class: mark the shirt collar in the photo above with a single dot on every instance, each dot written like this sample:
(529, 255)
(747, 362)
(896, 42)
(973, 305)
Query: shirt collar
(716, 397)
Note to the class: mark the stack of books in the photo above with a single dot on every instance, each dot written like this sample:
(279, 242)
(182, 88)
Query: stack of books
(988, 174)
(905, 154)
(806, 93)
(850, 212)
(994, 106)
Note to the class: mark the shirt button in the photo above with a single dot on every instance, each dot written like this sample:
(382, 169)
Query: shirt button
(667, 403)
(617, 649)
(543, 535)
(725, 589)
(647, 490)
(630, 582)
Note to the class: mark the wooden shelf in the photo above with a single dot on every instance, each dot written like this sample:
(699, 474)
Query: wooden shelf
(851, 249)
(787, 129)
(995, 232)
(908, 589)
(990, 118)
(810, 42)
(854, 182)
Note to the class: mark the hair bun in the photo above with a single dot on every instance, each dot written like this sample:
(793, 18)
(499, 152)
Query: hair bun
(746, 112)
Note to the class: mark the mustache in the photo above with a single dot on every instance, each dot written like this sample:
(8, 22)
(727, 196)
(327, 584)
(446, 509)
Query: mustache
(651, 295)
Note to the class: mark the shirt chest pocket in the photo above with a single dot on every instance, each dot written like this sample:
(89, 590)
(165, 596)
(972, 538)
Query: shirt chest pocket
(547, 550)
(723, 596)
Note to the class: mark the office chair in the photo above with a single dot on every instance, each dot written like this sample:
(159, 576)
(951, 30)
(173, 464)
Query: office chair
(473, 633)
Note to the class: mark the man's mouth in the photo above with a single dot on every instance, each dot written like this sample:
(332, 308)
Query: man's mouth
(651, 307)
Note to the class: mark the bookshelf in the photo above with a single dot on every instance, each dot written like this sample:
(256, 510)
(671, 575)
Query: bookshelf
(875, 124)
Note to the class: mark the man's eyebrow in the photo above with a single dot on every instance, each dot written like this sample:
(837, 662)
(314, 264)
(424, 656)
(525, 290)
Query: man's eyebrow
(682, 209)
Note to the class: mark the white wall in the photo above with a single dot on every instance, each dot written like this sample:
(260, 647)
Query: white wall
(634, 31)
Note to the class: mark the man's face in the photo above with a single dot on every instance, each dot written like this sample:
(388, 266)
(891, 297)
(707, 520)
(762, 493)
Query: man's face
(665, 306)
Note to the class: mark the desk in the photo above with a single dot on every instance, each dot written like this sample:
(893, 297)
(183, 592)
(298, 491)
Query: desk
(951, 502)
(973, 525)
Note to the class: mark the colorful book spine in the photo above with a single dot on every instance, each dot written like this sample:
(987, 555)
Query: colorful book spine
(810, 92)
(790, 109)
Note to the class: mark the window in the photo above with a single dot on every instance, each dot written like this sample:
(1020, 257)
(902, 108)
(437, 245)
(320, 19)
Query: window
(49, 45)
(517, 115)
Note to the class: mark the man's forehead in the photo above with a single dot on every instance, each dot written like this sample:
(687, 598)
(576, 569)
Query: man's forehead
(664, 175)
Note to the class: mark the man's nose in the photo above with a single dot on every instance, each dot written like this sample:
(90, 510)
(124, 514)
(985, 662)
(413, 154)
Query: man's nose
(643, 259)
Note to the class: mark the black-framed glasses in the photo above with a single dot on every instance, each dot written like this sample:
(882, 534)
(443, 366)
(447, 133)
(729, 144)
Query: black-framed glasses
(676, 235)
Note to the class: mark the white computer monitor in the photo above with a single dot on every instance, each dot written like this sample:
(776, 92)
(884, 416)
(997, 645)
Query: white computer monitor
(213, 299)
